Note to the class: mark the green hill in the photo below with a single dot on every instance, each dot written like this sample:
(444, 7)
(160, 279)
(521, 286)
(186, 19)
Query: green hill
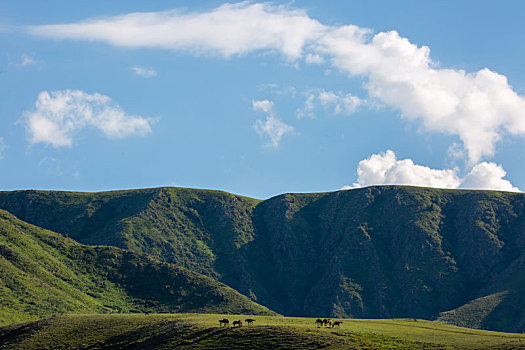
(43, 274)
(192, 228)
(377, 252)
(200, 331)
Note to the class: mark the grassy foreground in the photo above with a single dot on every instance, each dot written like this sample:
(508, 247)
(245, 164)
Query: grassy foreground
(202, 331)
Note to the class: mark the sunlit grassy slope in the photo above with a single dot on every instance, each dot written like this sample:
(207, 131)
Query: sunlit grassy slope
(202, 331)
(43, 273)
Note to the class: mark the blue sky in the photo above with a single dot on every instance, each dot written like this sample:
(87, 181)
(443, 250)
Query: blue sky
(261, 98)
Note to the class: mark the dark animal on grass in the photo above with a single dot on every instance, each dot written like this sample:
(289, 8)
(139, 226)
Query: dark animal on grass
(249, 321)
(327, 322)
(237, 323)
(337, 323)
(224, 322)
(318, 322)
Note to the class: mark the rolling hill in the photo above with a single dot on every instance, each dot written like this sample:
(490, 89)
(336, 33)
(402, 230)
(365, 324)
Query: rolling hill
(201, 331)
(43, 273)
(376, 252)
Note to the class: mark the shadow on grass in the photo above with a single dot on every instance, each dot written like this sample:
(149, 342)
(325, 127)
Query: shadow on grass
(13, 334)
(179, 335)
(151, 336)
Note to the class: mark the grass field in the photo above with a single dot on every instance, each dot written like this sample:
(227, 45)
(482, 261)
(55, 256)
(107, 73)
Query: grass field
(202, 331)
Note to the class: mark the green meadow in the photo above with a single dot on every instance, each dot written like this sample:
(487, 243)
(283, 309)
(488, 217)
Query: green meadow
(202, 331)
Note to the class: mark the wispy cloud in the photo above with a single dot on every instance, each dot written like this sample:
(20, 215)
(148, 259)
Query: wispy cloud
(336, 102)
(479, 107)
(26, 60)
(263, 106)
(144, 72)
(279, 90)
(313, 58)
(385, 169)
(271, 127)
(230, 29)
(59, 115)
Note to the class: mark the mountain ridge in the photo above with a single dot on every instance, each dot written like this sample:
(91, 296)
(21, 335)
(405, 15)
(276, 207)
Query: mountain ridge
(380, 251)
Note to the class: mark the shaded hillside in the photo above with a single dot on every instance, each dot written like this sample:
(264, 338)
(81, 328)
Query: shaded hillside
(42, 274)
(501, 305)
(384, 251)
(396, 252)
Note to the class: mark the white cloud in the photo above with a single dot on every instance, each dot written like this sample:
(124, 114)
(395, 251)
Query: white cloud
(272, 127)
(488, 176)
(144, 72)
(342, 103)
(229, 29)
(308, 108)
(279, 90)
(26, 60)
(263, 106)
(385, 169)
(479, 107)
(313, 58)
(59, 115)
(336, 101)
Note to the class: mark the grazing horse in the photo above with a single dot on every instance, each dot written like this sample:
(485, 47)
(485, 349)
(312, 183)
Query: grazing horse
(318, 322)
(327, 322)
(237, 323)
(224, 322)
(337, 323)
(249, 321)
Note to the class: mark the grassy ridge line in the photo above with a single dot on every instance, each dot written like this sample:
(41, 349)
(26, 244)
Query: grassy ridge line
(44, 274)
(192, 228)
(201, 331)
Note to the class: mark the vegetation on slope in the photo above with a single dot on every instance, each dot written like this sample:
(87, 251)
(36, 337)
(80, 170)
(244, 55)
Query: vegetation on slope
(43, 274)
(196, 229)
(200, 331)
(392, 251)
(383, 251)
(502, 305)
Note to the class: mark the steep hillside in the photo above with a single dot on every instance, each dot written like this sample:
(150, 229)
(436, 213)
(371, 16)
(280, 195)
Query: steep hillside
(192, 228)
(501, 305)
(397, 252)
(384, 251)
(42, 274)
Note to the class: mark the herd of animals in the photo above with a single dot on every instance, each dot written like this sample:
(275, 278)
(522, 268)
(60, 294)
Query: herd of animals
(327, 322)
(226, 323)
(249, 321)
